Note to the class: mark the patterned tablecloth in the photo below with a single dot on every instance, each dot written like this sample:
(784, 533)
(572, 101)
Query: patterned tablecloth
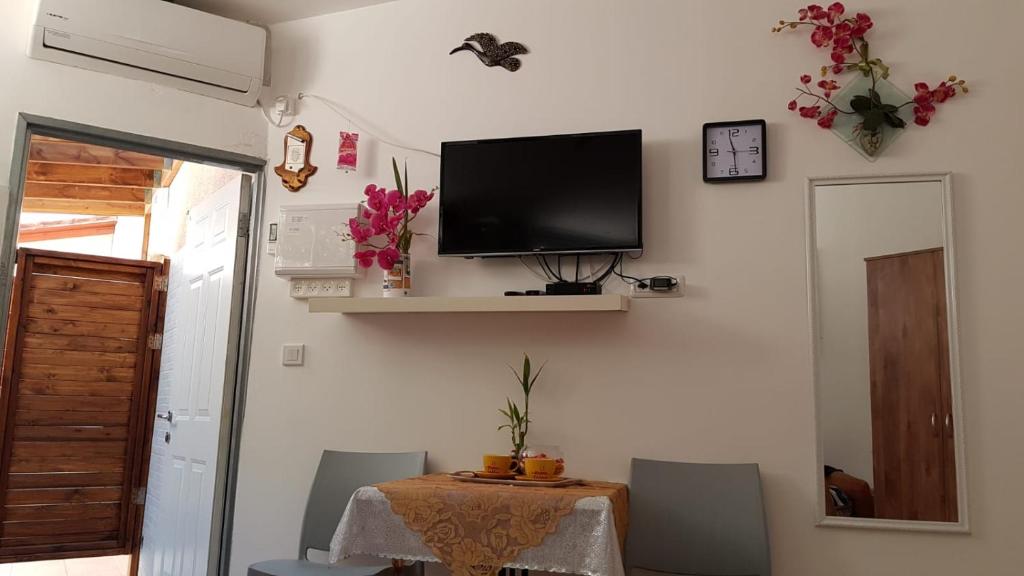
(475, 529)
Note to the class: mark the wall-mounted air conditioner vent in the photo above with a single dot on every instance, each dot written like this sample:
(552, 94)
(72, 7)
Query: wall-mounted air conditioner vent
(155, 41)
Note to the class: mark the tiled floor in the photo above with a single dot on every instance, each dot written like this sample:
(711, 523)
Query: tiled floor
(103, 566)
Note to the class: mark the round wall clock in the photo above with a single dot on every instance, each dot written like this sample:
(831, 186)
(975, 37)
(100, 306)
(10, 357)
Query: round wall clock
(735, 151)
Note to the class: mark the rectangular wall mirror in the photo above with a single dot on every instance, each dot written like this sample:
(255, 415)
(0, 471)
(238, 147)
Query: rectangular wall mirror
(882, 286)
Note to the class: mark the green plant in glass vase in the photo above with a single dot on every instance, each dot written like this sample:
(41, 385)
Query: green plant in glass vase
(844, 36)
(519, 420)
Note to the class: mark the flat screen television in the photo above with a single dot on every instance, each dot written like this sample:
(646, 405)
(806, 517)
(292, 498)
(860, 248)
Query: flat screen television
(566, 194)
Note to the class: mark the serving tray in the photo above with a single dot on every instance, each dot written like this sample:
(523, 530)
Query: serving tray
(469, 476)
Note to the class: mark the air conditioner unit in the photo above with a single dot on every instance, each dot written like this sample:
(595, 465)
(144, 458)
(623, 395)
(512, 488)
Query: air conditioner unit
(155, 41)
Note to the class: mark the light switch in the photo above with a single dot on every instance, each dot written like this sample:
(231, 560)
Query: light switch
(293, 354)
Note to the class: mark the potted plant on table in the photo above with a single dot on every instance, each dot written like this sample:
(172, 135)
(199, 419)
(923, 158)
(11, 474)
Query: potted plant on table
(384, 231)
(519, 420)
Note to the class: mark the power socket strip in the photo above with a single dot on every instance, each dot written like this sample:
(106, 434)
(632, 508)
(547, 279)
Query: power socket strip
(304, 288)
(677, 291)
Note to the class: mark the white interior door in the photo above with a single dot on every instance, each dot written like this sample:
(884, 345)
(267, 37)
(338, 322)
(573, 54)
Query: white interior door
(182, 479)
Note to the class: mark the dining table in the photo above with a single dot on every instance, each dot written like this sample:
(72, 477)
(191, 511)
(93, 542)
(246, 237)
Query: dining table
(476, 529)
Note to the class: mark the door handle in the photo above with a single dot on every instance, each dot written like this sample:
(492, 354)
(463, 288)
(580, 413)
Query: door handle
(949, 424)
(170, 417)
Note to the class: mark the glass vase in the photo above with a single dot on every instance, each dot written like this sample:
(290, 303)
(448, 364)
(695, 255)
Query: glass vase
(398, 280)
(870, 141)
(849, 128)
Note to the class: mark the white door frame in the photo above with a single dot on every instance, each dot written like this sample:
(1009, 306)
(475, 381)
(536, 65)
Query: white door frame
(243, 290)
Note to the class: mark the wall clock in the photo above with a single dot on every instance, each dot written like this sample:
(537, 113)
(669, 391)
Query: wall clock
(735, 151)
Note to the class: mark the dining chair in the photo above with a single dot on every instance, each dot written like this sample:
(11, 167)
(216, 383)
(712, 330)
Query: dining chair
(697, 519)
(338, 476)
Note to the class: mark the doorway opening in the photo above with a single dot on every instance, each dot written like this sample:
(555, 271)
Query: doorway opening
(122, 386)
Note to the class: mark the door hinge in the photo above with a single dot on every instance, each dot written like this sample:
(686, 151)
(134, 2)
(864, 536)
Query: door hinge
(139, 496)
(243, 225)
(161, 283)
(155, 341)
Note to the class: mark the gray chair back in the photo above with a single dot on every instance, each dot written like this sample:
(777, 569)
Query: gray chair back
(697, 519)
(339, 475)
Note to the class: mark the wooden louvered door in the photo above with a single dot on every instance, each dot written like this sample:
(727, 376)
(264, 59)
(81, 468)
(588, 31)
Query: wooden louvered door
(76, 404)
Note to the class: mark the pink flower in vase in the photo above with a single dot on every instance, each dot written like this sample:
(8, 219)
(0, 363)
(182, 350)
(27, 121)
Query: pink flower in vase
(365, 257)
(387, 257)
(359, 232)
(394, 199)
(375, 198)
(380, 223)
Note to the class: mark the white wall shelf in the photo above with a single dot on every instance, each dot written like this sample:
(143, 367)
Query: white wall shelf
(411, 304)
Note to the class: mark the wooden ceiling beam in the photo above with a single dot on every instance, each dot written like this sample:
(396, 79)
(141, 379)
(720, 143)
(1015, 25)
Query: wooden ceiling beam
(170, 173)
(86, 207)
(62, 230)
(65, 152)
(91, 175)
(76, 192)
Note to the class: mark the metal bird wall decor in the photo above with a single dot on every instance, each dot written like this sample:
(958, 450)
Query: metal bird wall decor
(491, 53)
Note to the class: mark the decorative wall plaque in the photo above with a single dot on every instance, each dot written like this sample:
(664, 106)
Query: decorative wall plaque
(296, 168)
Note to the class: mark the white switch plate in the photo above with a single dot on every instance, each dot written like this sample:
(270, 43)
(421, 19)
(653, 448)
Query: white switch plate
(303, 288)
(272, 240)
(293, 354)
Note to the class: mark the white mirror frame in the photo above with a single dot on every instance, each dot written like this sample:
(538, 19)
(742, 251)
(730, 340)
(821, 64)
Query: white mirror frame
(962, 525)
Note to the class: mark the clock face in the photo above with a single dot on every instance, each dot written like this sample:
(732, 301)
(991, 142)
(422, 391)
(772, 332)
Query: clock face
(734, 151)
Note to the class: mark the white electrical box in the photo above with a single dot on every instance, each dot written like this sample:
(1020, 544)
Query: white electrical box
(311, 242)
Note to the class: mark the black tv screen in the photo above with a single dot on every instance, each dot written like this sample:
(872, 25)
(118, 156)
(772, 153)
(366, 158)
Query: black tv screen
(563, 194)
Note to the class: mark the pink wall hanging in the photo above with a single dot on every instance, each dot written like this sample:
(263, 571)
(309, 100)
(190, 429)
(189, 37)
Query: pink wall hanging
(348, 151)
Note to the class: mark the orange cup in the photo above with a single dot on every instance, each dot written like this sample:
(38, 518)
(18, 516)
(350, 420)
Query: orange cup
(541, 468)
(499, 464)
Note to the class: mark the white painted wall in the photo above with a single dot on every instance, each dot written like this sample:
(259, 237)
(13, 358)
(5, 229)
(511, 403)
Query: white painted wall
(855, 222)
(723, 375)
(97, 245)
(125, 242)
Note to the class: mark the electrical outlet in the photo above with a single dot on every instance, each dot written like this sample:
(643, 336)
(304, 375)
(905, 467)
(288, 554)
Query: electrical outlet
(320, 288)
(677, 291)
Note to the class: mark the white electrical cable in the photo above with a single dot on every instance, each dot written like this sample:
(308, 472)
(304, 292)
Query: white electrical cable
(333, 107)
(280, 119)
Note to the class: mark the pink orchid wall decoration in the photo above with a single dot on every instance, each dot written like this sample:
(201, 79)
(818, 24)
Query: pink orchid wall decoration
(844, 36)
(383, 230)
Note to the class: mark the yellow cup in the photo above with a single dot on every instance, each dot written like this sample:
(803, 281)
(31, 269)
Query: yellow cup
(499, 464)
(541, 468)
